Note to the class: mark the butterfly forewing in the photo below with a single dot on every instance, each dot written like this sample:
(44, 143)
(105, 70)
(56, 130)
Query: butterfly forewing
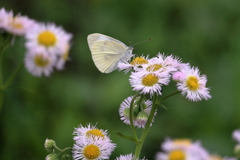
(106, 51)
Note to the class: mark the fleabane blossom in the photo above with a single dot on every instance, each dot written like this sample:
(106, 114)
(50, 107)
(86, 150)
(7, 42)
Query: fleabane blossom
(90, 132)
(88, 149)
(184, 144)
(149, 78)
(135, 64)
(128, 157)
(4, 17)
(141, 111)
(38, 62)
(177, 155)
(159, 64)
(148, 83)
(182, 149)
(171, 62)
(193, 85)
(49, 37)
(19, 25)
(91, 143)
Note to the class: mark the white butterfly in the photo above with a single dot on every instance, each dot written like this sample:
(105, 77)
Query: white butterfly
(107, 52)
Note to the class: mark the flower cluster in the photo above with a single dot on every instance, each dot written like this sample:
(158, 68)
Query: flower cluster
(47, 45)
(91, 143)
(150, 74)
(141, 111)
(185, 149)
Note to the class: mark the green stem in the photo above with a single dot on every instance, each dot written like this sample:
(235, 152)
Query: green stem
(62, 150)
(5, 44)
(13, 76)
(170, 95)
(147, 127)
(1, 99)
(131, 116)
(155, 103)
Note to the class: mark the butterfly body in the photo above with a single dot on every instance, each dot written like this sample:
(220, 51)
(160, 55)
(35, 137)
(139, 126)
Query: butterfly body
(107, 52)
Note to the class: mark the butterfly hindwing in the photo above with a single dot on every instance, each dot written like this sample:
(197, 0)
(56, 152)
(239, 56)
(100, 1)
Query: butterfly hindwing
(106, 51)
(106, 56)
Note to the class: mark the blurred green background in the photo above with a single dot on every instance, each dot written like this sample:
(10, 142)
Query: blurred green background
(204, 33)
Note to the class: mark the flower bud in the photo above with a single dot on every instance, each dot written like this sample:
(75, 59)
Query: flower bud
(178, 76)
(52, 156)
(126, 112)
(49, 144)
(66, 156)
(142, 116)
(237, 150)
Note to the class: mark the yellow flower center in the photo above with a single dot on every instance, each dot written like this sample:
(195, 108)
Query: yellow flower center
(15, 24)
(215, 157)
(47, 38)
(95, 132)
(91, 151)
(192, 83)
(177, 155)
(154, 67)
(41, 61)
(182, 142)
(150, 80)
(139, 61)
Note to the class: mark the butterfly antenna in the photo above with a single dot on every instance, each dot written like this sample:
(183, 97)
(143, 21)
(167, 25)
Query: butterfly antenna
(130, 43)
(141, 42)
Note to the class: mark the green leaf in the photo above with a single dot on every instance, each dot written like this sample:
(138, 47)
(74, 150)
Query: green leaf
(130, 138)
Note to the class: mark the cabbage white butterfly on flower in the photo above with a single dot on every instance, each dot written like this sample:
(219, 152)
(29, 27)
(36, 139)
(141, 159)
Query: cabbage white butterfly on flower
(107, 52)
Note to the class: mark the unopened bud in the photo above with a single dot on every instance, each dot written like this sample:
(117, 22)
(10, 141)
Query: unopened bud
(142, 115)
(237, 150)
(49, 144)
(52, 156)
(178, 76)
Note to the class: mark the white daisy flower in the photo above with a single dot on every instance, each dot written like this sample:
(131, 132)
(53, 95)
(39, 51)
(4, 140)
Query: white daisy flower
(4, 16)
(178, 155)
(140, 111)
(39, 62)
(49, 37)
(173, 144)
(236, 135)
(134, 64)
(185, 145)
(163, 63)
(194, 85)
(19, 25)
(90, 132)
(128, 157)
(173, 61)
(88, 149)
(148, 83)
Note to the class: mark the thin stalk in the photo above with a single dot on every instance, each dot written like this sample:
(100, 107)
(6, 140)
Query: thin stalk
(5, 43)
(13, 76)
(147, 127)
(131, 116)
(170, 95)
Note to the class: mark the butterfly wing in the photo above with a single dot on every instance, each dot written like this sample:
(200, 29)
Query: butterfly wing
(106, 51)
